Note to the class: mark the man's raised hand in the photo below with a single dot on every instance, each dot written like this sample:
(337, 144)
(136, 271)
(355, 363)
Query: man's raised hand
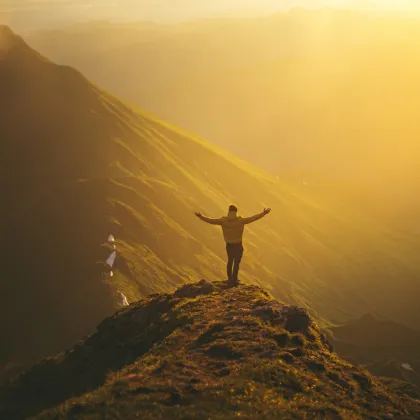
(267, 210)
(198, 214)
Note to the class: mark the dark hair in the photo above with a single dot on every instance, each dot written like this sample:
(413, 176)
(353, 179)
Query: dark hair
(232, 207)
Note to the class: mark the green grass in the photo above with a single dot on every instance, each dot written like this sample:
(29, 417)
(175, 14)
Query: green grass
(203, 352)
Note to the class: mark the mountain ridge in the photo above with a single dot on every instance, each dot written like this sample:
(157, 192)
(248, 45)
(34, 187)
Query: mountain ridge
(205, 350)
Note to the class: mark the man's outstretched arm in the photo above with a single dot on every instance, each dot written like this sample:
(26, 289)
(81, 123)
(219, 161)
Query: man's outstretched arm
(247, 220)
(208, 219)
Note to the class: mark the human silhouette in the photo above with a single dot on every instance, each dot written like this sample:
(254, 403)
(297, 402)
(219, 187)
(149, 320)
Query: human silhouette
(233, 229)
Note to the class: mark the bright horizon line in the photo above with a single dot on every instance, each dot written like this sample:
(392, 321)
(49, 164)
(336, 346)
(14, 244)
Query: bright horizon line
(48, 14)
(169, 22)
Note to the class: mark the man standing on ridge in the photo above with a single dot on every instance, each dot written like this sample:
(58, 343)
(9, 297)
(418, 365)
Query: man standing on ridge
(233, 229)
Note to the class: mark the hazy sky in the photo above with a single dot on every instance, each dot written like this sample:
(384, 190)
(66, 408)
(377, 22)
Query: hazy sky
(28, 14)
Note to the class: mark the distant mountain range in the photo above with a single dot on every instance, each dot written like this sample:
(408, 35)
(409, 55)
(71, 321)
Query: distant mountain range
(330, 91)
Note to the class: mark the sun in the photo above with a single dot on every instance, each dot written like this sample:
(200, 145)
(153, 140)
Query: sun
(395, 4)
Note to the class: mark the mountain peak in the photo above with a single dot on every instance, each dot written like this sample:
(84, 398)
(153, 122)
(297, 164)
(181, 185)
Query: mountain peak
(6, 31)
(12, 46)
(8, 39)
(204, 351)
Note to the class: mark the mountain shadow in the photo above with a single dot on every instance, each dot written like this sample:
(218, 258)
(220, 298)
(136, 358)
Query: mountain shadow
(384, 347)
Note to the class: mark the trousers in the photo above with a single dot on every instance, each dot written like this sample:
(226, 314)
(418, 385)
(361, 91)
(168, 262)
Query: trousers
(234, 254)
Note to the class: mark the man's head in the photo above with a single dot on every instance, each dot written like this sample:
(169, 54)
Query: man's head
(233, 208)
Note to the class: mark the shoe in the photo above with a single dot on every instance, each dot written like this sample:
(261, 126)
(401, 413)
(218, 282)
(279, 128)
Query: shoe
(233, 283)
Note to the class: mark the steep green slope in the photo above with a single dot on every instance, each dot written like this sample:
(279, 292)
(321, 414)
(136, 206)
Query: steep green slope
(80, 164)
(203, 351)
